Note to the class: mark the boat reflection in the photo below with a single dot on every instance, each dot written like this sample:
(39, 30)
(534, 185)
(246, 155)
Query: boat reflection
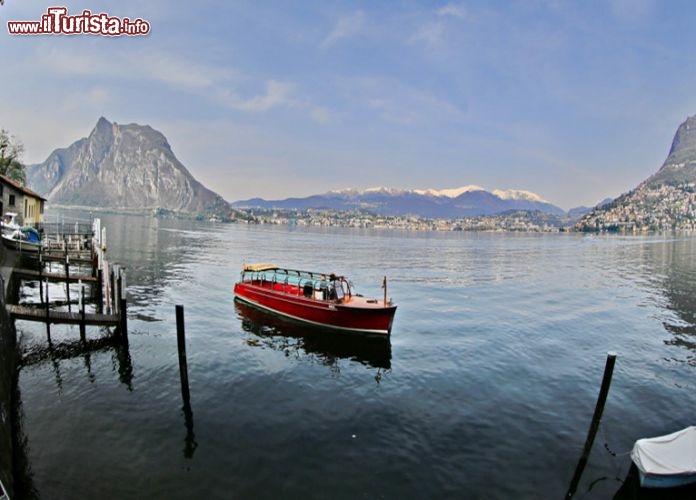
(278, 332)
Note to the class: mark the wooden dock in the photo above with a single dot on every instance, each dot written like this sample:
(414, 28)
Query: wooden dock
(60, 317)
(73, 259)
(30, 274)
(108, 288)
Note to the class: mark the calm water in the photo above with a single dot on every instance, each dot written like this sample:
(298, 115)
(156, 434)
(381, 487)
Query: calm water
(486, 389)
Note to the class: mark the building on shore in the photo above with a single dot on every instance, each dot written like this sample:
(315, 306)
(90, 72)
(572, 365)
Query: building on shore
(28, 205)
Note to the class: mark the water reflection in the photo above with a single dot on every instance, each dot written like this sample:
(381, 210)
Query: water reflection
(672, 266)
(289, 336)
(190, 443)
(22, 472)
(53, 353)
(154, 252)
(84, 348)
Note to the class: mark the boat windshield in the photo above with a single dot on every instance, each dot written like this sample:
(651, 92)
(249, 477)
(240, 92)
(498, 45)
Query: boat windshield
(341, 288)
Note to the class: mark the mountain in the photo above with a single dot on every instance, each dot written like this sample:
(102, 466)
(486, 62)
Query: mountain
(122, 166)
(577, 212)
(664, 201)
(680, 165)
(465, 201)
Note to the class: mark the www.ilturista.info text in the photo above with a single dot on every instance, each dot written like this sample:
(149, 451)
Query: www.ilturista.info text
(56, 21)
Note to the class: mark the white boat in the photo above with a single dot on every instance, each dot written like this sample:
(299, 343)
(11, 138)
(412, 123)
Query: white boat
(666, 461)
(26, 239)
(9, 223)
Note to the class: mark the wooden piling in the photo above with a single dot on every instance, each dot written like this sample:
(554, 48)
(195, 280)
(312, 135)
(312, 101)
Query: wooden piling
(41, 277)
(112, 283)
(123, 318)
(48, 315)
(100, 292)
(67, 277)
(82, 314)
(181, 341)
(594, 426)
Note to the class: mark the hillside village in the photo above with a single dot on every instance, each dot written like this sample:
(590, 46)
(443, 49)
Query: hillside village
(647, 209)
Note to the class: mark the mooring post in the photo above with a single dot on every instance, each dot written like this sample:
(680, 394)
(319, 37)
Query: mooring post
(82, 312)
(123, 302)
(48, 314)
(100, 296)
(123, 318)
(111, 298)
(67, 279)
(115, 296)
(596, 418)
(181, 341)
(41, 276)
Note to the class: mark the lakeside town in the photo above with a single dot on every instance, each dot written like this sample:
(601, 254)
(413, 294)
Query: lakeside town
(515, 221)
(647, 209)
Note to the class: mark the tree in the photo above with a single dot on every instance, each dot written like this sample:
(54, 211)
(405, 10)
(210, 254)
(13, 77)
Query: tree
(11, 157)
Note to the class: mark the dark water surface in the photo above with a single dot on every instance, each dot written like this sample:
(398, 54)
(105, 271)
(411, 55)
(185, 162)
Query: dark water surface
(485, 390)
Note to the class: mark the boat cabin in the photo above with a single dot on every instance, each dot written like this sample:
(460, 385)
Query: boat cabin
(309, 285)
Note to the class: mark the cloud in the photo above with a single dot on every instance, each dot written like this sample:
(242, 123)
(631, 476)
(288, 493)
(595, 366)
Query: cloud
(451, 10)
(158, 66)
(175, 72)
(398, 103)
(431, 34)
(321, 115)
(346, 27)
(277, 94)
(632, 11)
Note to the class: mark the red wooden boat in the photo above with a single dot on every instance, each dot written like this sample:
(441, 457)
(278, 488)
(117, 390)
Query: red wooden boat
(321, 299)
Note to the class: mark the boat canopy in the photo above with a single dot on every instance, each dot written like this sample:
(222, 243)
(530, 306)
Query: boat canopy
(672, 454)
(260, 267)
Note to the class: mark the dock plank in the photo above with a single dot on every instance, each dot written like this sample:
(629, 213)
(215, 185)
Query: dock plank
(61, 258)
(30, 274)
(63, 317)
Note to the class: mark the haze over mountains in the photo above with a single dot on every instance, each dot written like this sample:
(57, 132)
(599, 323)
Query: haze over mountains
(133, 167)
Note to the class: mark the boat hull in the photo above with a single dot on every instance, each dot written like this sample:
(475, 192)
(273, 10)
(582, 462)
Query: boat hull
(667, 461)
(355, 315)
(665, 481)
(20, 245)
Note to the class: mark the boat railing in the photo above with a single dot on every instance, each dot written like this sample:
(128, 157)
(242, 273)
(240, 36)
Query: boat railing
(294, 282)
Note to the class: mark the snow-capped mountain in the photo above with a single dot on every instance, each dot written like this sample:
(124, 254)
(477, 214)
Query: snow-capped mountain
(464, 201)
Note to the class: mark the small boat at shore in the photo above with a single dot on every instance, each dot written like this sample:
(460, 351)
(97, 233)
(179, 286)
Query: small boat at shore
(318, 298)
(25, 239)
(666, 461)
(9, 225)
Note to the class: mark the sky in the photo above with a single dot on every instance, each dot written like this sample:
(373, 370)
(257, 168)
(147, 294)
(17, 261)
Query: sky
(574, 101)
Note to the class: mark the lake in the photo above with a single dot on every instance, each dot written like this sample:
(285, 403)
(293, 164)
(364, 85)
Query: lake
(485, 389)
